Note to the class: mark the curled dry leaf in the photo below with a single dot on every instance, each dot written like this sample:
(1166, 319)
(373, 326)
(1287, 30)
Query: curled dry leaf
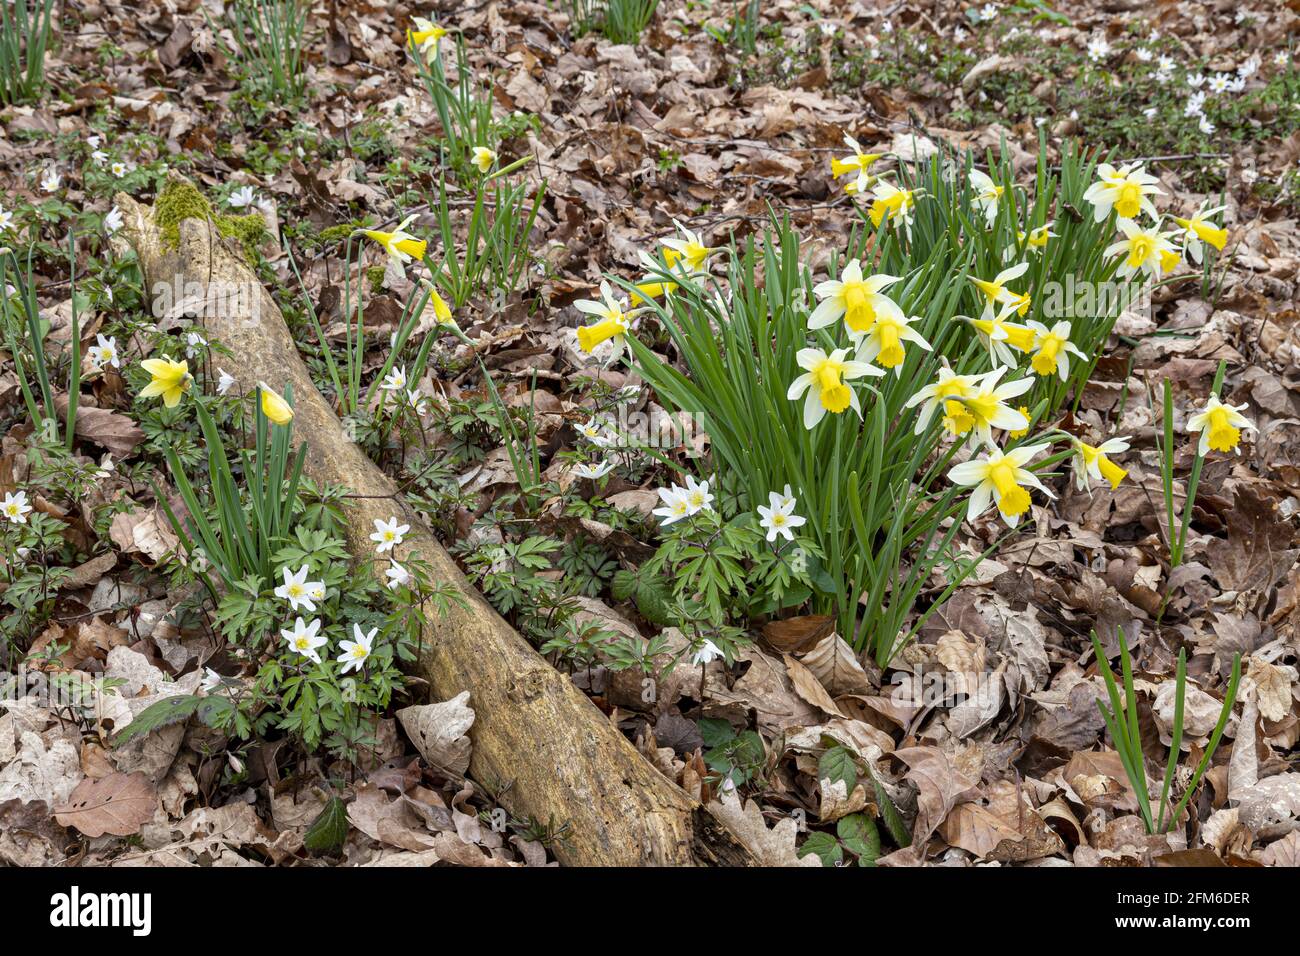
(438, 731)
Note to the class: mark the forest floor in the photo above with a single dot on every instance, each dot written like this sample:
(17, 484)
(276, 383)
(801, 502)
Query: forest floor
(711, 126)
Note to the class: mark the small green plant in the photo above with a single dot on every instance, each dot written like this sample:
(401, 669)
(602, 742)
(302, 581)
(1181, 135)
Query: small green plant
(1177, 524)
(24, 35)
(624, 20)
(269, 44)
(238, 531)
(464, 105)
(24, 327)
(1125, 732)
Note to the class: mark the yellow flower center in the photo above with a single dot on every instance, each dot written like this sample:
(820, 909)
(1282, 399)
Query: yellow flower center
(1129, 201)
(834, 394)
(778, 519)
(1012, 499)
(982, 407)
(359, 652)
(1038, 237)
(1140, 249)
(858, 311)
(1112, 472)
(1044, 361)
(590, 336)
(956, 418)
(1224, 436)
(389, 536)
(295, 590)
(302, 643)
(1019, 336)
(891, 349)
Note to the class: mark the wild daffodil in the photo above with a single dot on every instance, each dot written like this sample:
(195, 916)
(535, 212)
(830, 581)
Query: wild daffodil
(1000, 336)
(892, 204)
(858, 300)
(1198, 229)
(686, 250)
(883, 342)
(1220, 426)
(825, 379)
(1000, 478)
(987, 194)
(987, 408)
(996, 293)
(274, 407)
(483, 158)
(614, 321)
(950, 388)
(400, 245)
(168, 379)
(1052, 349)
(857, 166)
(424, 35)
(1125, 190)
(1092, 464)
(1144, 250)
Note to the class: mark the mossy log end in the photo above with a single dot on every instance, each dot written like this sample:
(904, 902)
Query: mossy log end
(534, 730)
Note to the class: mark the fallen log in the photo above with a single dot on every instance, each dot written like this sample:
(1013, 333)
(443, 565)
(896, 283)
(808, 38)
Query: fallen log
(564, 761)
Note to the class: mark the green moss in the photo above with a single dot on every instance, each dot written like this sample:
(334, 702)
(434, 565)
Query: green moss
(376, 276)
(180, 200)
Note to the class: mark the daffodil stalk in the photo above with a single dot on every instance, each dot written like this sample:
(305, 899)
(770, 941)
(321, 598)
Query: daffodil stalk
(1121, 719)
(464, 110)
(1176, 525)
(268, 42)
(494, 252)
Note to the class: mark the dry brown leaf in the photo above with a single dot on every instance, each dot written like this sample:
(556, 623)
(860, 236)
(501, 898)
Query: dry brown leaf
(118, 804)
(833, 663)
(774, 847)
(438, 731)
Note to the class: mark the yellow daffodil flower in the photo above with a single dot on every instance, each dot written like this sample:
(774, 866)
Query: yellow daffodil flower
(1220, 426)
(1020, 432)
(987, 408)
(1037, 238)
(1001, 478)
(996, 292)
(1091, 463)
(857, 165)
(687, 251)
(1052, 348)
(949, 389)
(1199, 230)
(896, 205)
(1144, 250)
(169, 379)
(856, 299)
(399, 244)
(275, 408)
(613, 323)
(826, 381)
(883, 343)
(999, 336)
(1125, 190)
(483, 158)
(424, 35)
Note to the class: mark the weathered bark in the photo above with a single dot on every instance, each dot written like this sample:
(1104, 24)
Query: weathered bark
(534, 730)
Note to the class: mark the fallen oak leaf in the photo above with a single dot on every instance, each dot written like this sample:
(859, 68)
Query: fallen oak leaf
(438, 731)
(119, 804)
